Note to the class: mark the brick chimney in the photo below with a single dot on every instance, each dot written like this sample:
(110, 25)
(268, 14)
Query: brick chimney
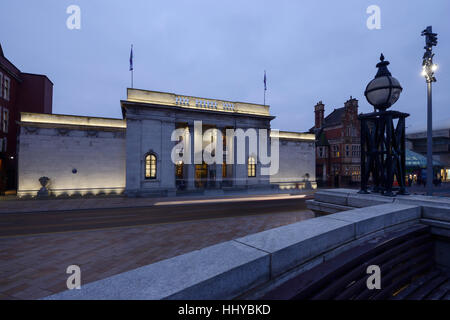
(351, 105)
(319, 110)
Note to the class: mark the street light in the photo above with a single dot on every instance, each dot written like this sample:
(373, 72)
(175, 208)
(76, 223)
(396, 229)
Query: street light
(383, 153)
(428, 69)
(383, 91)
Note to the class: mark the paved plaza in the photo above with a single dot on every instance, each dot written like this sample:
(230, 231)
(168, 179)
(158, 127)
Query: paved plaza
(33, 267)
(11, 204)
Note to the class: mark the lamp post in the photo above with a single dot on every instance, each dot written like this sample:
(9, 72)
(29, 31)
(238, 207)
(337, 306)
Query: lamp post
(383, 153)
(428, 68)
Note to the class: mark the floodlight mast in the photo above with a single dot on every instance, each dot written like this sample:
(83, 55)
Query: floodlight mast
(428, 68)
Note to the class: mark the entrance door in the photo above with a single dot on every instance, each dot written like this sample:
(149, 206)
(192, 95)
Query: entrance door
(201, 175)
(180, 182)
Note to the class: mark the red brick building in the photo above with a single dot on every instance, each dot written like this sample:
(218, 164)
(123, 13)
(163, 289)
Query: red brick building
(18, 92)
(338, 150)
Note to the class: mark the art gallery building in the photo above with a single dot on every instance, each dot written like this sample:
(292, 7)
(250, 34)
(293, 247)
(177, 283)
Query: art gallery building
(134, 155)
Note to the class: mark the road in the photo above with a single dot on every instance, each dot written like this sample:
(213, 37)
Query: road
(18, 224)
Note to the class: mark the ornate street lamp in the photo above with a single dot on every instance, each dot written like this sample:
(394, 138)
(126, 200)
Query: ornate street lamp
(383, 153)
(383, 91)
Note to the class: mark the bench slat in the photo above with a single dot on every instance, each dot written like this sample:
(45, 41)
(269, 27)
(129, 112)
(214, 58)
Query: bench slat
(428, 288)
(339, 286)
(310, 282)
(416, 284)
(440, 292)
(404, 279)
(360, 285)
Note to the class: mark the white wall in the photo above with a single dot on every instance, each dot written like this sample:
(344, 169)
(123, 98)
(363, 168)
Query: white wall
(144, 136)
(296, 159)
(98, 157)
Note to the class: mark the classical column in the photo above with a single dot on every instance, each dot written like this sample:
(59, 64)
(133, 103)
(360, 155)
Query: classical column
(191, 167)
(240, 169)
(166, 166)
(231, 159)
(219, 165)
(134, 156)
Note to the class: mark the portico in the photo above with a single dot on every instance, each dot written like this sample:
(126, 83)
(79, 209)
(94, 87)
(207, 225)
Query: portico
(152, 118)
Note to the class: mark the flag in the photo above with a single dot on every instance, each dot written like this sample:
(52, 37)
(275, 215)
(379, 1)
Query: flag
(265, 81)
(131, 58)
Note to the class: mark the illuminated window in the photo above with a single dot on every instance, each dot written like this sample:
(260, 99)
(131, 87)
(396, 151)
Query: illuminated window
(6, 87)
(335, 149)
(251, 167)
(150, 166)
(179, 170)
(224, 169)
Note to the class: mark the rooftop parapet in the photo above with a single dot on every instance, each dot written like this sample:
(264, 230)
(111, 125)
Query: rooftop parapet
(191, 102)
(59, 119)
(289, 135)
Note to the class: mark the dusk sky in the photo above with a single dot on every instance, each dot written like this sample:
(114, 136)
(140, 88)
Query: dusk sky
(311, 50)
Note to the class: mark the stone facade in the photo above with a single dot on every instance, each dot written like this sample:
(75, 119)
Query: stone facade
(151, 119)
(79, 157)
(85, 155)
(297, 161)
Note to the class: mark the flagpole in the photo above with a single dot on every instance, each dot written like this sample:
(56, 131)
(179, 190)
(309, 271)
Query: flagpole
(265, 87)
(131, 66)
(264, 96)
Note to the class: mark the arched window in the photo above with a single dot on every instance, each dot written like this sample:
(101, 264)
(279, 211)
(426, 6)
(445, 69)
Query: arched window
(251, 167)
(150, 166)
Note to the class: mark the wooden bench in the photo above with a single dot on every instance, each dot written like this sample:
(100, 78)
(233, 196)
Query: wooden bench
(406, 260)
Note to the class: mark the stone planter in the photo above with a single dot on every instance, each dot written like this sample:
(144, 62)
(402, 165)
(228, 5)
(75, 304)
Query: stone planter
(43, 192)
